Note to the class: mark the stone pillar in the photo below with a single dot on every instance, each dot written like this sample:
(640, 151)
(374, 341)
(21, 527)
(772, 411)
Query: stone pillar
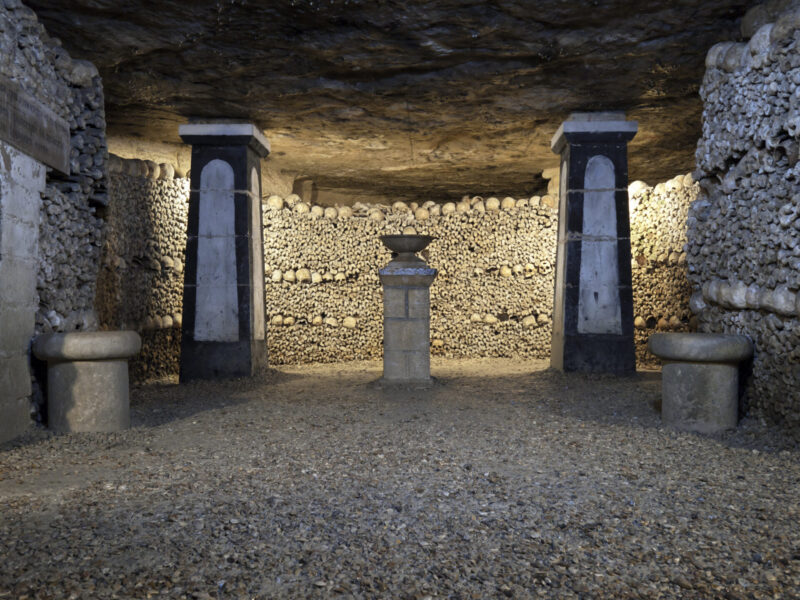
(406, 320)
(22, 179)
(593, 303)
(224, 317)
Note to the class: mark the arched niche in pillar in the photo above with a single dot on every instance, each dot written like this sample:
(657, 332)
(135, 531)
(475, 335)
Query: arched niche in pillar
(217, 303)
(599, 300)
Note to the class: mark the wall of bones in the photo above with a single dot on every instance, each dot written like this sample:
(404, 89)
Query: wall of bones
(70, 231)
(494, 292)
(661, 289)
(140, 284)
(744, 231)
(493, 295)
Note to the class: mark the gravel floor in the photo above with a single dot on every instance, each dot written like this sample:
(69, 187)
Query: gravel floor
(505, 480)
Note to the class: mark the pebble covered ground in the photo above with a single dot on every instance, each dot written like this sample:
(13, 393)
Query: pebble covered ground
(504, 480)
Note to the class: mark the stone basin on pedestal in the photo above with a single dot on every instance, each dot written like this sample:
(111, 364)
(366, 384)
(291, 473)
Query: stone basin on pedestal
(700, 379)
(407, 244)
(406, 312)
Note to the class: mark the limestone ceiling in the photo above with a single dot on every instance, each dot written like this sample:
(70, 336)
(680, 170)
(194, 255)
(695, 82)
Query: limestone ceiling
(419, 98)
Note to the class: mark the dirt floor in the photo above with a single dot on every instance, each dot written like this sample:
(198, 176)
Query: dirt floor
(504, 480)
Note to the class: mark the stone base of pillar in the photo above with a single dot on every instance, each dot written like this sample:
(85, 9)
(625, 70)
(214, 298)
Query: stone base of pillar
(613, 354)
(213, 360)
(403, 385)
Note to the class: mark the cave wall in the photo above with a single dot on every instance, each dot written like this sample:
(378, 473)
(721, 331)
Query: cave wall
(57, 240)
(744, 230)
(493, 295)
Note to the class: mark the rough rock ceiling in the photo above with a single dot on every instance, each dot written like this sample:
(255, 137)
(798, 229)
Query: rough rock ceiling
(409, 97)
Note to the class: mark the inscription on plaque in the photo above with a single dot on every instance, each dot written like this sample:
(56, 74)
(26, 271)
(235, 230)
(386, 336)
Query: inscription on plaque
(33, 128)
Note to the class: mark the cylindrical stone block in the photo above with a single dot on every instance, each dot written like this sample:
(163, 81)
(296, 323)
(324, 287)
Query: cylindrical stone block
(700, 379)
(88, 396)
(700, 396)
(87, 379)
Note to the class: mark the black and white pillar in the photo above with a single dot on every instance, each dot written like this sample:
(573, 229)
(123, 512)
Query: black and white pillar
(224, 317)
(593, 304)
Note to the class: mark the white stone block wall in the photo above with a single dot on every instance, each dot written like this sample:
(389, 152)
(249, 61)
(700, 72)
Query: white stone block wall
(22, 180)
(599, 309)
(744, 229)
(217, 307)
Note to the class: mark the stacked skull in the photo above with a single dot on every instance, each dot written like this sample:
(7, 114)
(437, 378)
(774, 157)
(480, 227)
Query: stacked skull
(661, 289)
(141, 280)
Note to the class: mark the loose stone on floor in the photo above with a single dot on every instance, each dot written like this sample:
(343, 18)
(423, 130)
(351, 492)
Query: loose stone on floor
(508, 480)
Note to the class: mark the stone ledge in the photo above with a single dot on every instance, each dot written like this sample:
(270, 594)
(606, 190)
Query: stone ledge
(599, 124)
(700, 347)
(400, 385)
(87, 345)
(224, 134)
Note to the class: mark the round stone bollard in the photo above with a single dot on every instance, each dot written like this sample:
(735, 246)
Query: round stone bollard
(87, 379)
(700, 379)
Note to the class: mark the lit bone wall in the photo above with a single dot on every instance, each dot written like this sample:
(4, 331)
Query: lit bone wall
(140, 284)
(493, 295)
(661, 288)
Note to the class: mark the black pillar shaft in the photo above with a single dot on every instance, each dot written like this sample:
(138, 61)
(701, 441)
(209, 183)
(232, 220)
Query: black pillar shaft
(224, 321)
(593, 303)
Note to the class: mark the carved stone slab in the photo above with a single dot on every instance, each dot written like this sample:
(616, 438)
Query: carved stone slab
(33, 128)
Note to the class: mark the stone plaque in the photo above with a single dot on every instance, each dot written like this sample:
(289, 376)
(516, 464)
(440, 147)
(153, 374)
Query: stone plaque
(33, 128)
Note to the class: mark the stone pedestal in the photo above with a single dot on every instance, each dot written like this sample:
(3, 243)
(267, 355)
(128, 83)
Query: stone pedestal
(224, 317)
(593, 303)
(700, 379)
(87, 379)
(406, 313)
